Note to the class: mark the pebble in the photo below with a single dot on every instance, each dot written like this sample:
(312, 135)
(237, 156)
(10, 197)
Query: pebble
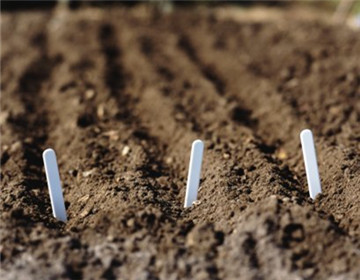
(130, 223)
(100, 111)
(90, 93)
(163, 180)
(112, 134)
(84, 199)
(180, 116)
(197, 202)
(125, 151)
(88, 173)
(339, 216)
(15, 147)
(226, 155)
(85, 212)
(335, 110)
(282, 154)
(110, 238)
(190, 241)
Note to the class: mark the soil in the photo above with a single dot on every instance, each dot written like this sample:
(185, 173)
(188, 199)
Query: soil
(121, 93)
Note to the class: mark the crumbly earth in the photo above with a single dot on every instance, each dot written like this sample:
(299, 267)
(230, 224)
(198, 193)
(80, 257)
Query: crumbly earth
(121, 93)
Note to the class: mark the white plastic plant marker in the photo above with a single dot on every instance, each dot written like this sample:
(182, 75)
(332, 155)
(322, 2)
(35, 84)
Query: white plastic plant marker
(54, 185)
(311, 167)
(193, 180)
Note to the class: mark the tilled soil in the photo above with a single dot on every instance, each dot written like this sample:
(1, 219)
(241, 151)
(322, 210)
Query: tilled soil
(120, 94)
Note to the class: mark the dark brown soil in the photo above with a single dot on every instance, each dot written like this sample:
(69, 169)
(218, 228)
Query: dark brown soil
(120, 94)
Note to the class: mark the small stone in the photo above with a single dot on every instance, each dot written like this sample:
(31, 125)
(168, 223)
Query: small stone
(130, 223)
(339, 216)
(293, 83)
(190, 240)
(197, 202)
(248, 140)
(226, 155)
(335, 110)
(100, 111)
(112, 134)
(168, 160)
(163, 180)
(110, 238)
(125, 151)
(15, 147)
(308, 272)
(85, 212)
(84, 199)
(286, 199)
(282, 154)
(180, 116)
(88, 173)
(90, 93)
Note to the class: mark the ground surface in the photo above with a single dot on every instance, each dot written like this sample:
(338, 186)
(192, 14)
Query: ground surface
(121, 94)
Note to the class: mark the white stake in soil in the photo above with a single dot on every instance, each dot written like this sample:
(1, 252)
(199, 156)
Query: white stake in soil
(194, 172)
(311, 167)
(54, 185)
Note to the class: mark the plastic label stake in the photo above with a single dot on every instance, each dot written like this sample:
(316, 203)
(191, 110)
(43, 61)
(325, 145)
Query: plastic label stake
(311, 167)
(194, 172)
(54, 185)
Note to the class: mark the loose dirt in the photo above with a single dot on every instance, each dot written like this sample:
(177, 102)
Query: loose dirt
(120, 94)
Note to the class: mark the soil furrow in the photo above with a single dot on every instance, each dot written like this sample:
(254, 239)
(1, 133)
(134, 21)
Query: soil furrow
(303, 71)
(25, 199)
(188, 90)
(32, 127)
(119, 81)
(158, 115)
(99, 114)
(96, 205)
(121, 93)
(242, 115)
(286, 133)
(161, 58)
(145, 102)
